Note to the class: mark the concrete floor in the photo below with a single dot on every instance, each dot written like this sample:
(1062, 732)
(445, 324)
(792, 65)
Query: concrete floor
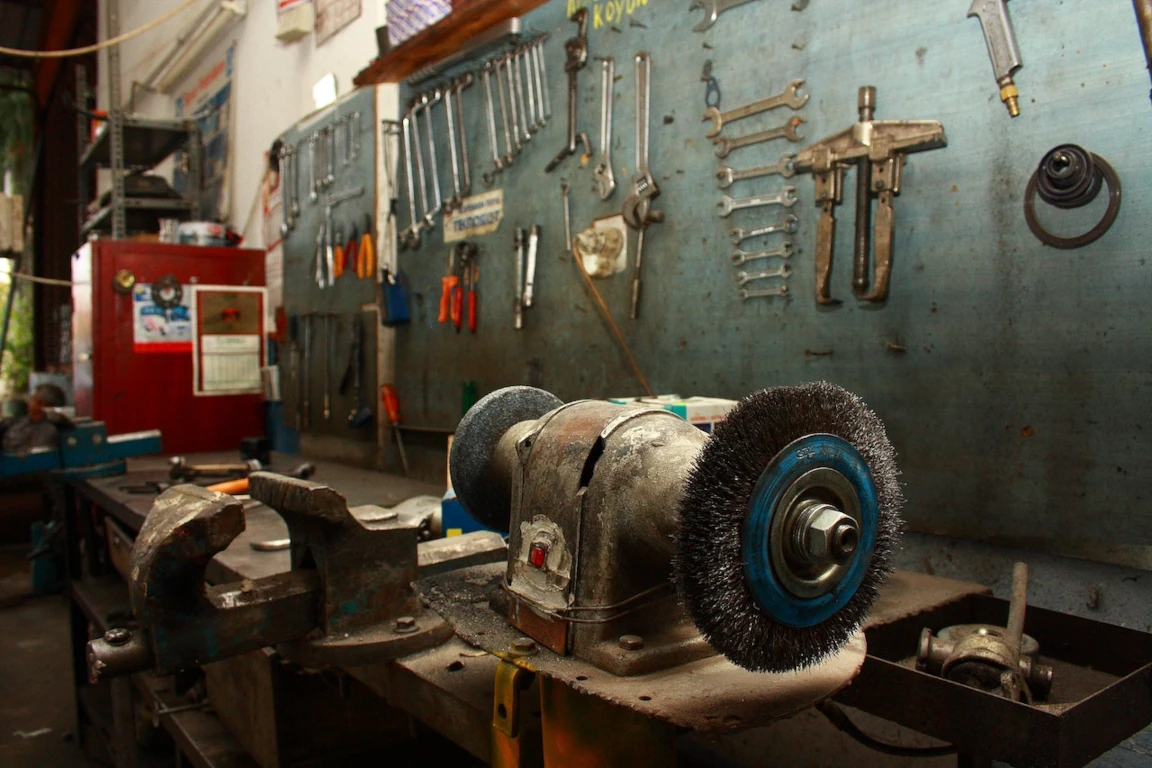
(36, 710)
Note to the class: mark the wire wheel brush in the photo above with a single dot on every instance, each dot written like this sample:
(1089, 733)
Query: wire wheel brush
(787, 525)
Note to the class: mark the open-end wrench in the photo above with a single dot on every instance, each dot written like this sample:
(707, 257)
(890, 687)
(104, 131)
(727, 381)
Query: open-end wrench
(784, 251)
(712, 9)
(513, 105)
(457, 199)
(354, 144)
(529, 88)
(313, 187)
(497, 161)
(537, 77)
(746, 294)
(294, 187)
(577, 51)
(788, 131)
(543, 68)
(518, 90)
(782, 271)
(530, 270)
(285, 214)
(330, 155)
(466, 174)
(428, 220)
(511, 135)
(409, 237)
(788, 224)
(786, 198)
(438, 204)
(782, 167)
(603, 176)
(788, 98)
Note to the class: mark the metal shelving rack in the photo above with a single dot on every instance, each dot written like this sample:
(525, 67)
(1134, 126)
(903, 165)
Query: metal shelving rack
(131, 142)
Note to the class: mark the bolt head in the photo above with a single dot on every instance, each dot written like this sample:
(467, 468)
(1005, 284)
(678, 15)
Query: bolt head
(117, 636)
(405, 624)
(832, 535)
(524, 646)
(631, 642)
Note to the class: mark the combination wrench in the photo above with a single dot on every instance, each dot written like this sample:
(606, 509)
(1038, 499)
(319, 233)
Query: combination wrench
(746, 294)
(465, 81)
(788, 131)
(788, 225)
(512, 148)
(330, 155)
(428, 220)
(513, 107)
(712, 9)
(533, 124)
(427, 103)
(783, 251)
(457, 199)
(489, 176)
(534, 57)
(783, 271)
(790, 97)
(603, 175)
(313, 188)
(409, 237)
(576, 49)
(517, 86)
(543, 69)
(294, 189)
(638, 212)
(782, 167)
(786, 198)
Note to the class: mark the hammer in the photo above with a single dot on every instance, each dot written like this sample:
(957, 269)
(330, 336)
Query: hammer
(240, 485)
(180, 469)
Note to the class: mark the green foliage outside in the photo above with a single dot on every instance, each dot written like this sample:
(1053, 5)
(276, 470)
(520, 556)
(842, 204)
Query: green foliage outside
(16, 150)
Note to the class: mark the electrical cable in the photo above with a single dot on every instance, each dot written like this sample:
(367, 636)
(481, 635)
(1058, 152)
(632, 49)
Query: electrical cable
(840, 719)
(42, 280)
(83, 51)
(611, 321)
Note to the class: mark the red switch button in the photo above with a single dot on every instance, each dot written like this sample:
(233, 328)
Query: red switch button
(537, 554)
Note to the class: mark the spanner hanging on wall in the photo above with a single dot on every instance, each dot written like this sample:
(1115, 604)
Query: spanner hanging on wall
(489, 176)
(466, 174)
(638, 212)
(603, 175)
(576, 49)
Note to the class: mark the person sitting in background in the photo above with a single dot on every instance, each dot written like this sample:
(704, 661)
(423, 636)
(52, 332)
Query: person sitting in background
(39, 427)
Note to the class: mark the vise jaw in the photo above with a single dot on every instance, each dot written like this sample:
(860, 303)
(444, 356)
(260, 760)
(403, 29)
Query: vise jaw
(878, 149)
(347, 600)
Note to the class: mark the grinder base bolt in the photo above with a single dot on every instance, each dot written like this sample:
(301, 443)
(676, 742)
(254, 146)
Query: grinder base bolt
(631, 642)
(405, 624)
(523, 646)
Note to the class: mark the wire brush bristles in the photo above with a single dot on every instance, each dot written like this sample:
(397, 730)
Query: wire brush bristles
(709, 570)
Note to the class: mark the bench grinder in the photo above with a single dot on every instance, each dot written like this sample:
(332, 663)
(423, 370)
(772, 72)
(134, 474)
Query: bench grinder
(631, 529)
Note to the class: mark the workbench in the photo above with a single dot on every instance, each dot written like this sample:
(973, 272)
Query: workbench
(444, 695)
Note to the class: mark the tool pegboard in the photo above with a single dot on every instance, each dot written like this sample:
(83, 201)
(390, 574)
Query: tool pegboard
(346, 131)
(1013, 376)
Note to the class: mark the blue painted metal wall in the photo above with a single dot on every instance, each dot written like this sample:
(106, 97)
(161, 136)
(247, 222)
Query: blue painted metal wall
(1021, 405)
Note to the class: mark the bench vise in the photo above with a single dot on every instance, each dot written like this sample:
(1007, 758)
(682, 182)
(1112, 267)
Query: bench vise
(86, 450)
(878, 149)
(347, 600)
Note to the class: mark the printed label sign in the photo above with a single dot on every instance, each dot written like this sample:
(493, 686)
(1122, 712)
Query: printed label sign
(155, 329)
(479, 215)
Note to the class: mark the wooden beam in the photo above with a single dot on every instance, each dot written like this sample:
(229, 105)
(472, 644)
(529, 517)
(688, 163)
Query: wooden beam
(468, 19)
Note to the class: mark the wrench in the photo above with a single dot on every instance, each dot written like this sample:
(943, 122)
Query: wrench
(466, 183)
(428, 221)
(712, 9)
(788, 224)
(513, 106)
(540, 64)
(285, 214)
(788, 98)
(746, 294)
(497, 161)
(440, 204)
(313, 188)
(534, 57)
(294, 164)
(530, 272)
(526, 79)
(787, 131)
(410, 236)
(603, 176)
(504, 117)
(330, 154)
(518, 95)
(783, 252)
(354, 151)
(637, 213)
(457, 199)
(782, 167)
(577, 51)
(786, 198)
(783, 271)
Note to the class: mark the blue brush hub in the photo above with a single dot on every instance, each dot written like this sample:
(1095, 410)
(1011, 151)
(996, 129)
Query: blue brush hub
(823, 468)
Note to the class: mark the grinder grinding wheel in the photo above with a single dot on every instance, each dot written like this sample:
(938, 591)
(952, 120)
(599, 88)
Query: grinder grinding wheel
(776, 531)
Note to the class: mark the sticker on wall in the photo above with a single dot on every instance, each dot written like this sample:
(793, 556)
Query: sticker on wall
(160, 327)
(603, 247)
(477, 215)
(332, 16)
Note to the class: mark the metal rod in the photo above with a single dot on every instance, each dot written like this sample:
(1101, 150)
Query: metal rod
(1017, 606)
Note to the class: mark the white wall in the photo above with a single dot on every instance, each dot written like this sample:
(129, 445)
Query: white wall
(272, 82)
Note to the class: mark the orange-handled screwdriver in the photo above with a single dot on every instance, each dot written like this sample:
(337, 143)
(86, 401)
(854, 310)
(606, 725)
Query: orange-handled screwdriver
(447, 284)
(472, 306)
(457, 306)
(392, 407)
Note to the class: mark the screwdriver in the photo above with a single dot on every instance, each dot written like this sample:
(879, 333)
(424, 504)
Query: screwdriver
(448, 284)
(392, 406)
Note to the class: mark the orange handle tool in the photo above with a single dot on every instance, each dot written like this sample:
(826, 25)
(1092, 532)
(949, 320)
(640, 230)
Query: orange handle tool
(447, 284)
(457, 306)
(391, 403)
(338, 262)
(231, 486)
(368, 255)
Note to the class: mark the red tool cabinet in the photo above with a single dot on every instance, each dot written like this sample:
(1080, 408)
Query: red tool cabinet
(133, 360)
